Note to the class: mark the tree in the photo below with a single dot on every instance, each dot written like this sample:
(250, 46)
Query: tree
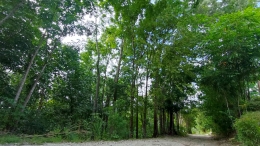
(12, 12)
(230, 52)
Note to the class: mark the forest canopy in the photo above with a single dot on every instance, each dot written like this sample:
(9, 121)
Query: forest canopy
(147, 68)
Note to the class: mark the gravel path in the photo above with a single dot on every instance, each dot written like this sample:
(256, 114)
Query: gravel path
(192, 140)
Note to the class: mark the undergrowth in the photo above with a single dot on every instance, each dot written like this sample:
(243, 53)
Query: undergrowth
(35, 139)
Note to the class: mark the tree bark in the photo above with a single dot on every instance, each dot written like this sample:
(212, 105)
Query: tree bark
(36, 81)
(155, 121)
(136, 122)
(178, 122)
(155, 116)
(145, 104)
(258, 84)
(164, 121)
(104, 116)
(104, 82)
(33, 87)
(98, 74)
(38, 78)
(132, 115)
(107, 104)
(132, 94)
(118, 71)
(146, 95)
(172, 130)
(171, 123)
(17, 96)
(160, 122)
(229, 113)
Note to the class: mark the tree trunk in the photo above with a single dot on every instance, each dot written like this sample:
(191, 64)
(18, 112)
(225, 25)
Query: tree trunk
(161, 122)
(178, 122)
(107, 102)
(248, 92)
(168, 121)
(33, 87)
(172, 130)
(12, 12)
(136, 122)
(229, 113)
(98, 73)
(145, 104)
(131, 117)
(155, 116)
(155, 122)
(146, 95)
(258, 84)
(17, 96)
(103, 114)
(38, 78)
(132, 94)
(118, 71)
(104, 82)
(171, 123)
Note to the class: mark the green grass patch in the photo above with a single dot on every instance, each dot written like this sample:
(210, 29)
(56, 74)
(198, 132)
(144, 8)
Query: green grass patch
(42, 140)
(10, 139)
(30, 139)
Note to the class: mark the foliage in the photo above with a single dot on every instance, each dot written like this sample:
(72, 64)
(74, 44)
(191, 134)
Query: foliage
(224, 75)
(135, 75)
(189, 117)
(253, 105)
(204, 124)
(35, 123)
(182, 131)
(117, 127)
(96, 127)
(248, 128)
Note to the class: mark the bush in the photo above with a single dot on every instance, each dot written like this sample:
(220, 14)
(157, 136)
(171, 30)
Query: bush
(96, 127)
(182, 131)
(248, 128)
(117, 127)
(254, 105)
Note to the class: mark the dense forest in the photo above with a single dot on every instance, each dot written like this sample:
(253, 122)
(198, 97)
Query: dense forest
(147, 67)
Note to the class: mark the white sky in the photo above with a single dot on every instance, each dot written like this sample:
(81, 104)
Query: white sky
(77, 39)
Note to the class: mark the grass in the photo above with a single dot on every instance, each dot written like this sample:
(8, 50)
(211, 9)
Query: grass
(42, 140)
(11, 139)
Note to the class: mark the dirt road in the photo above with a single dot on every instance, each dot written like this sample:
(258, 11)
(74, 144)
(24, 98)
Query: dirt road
(191, 140)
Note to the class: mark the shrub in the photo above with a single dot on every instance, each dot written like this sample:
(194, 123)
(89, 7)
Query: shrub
(96, 127)
(248, 128)
(254, 105)
(182, 131)
(117, 127)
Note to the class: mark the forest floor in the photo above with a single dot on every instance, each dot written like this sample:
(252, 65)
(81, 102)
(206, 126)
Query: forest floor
(191, 140)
